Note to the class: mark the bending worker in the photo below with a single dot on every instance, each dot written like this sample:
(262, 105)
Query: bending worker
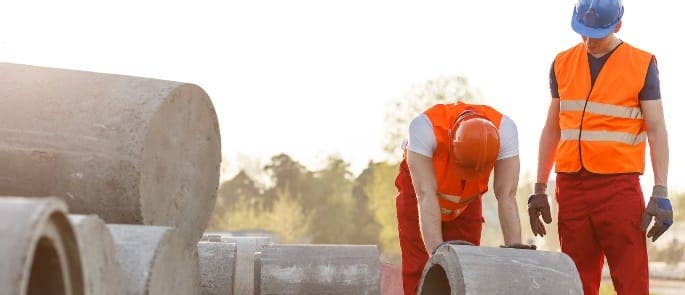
(451, 151)
(606, 103)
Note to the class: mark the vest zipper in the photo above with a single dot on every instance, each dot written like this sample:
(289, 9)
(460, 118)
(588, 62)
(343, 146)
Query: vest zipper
(582, 117)
(587, 99)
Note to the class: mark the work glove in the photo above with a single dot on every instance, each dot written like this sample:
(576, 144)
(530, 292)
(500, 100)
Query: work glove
(520, 246)
(452, 242)
(538, 205)
(659, 207)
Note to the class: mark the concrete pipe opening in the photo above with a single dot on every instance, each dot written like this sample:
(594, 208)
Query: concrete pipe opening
(46, 271)
(436, 282)
(40, 253)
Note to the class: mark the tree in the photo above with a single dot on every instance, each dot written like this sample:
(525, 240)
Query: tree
(401, 111)
(331, 204)
(242, 190)
(289, 177)
(381, 192)
(286, 219)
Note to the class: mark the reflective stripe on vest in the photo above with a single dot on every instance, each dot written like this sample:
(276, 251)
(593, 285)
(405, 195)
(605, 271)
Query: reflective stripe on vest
(622, 137)
(600, 108)
(602, 126)
(454, 194)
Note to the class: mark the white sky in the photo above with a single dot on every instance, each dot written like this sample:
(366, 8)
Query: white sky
(313, 78)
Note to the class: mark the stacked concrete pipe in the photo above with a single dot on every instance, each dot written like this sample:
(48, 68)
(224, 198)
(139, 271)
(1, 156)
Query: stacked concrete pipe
(40, 254)
(317, 269)
(217, 267)
(131, 150)
(101, 270)
(486, 270)
(246, 247)
(156, 260)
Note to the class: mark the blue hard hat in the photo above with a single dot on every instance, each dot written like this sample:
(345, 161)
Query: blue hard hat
(596, 18)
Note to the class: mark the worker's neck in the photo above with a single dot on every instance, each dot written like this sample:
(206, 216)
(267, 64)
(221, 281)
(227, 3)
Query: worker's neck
(615, 41)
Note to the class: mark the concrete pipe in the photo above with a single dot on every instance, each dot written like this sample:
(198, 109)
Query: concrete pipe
(131, 150)
(317, 269)
(40, 254)
(244, 267)
(101, 270)
(217, 267)
(155, 260)
(485, 270)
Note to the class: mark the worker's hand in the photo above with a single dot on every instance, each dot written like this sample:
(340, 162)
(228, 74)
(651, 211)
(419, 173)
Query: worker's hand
(538, 205)
(520, 246)
(659, 207)
(452, 242)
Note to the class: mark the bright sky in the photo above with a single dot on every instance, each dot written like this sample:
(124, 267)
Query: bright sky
(313, 78)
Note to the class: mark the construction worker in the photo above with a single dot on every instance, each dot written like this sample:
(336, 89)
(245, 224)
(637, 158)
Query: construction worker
(451, 151)
(606, 103)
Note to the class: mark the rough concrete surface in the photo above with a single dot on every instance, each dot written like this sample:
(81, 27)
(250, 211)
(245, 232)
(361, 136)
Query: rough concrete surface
(317, 269)
(217, 267)
(155, 260)
(486, 270)
(39, 251)
(131, 150)
(244, 268)
(101, 270)
(211, 238)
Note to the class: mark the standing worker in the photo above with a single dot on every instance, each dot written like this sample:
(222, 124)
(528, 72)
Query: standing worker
(451, 151)
(606, 103)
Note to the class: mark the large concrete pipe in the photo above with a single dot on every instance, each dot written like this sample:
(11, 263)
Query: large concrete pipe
(101, 270)
(317, 269)
(485, 270)
(155, 260)
(217, 267)
(131, 150)
(39, 251)
(244, 267)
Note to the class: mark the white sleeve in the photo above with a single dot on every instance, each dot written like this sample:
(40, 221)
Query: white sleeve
(508, 139)
(421, 136)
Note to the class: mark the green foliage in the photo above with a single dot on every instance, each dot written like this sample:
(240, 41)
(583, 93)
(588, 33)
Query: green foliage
(285, 219)
(302, 206)
(381, 192)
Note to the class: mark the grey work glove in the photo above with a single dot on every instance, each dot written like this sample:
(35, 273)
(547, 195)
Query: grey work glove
(520, 246)
(538, 205)
(659, 208)
(452, 242)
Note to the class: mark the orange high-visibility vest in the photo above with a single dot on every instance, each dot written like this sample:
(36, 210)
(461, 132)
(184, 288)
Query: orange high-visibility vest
(602, 129)
(455, 193)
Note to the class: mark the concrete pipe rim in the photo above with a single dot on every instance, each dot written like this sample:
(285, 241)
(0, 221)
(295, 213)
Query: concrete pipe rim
(55, 239)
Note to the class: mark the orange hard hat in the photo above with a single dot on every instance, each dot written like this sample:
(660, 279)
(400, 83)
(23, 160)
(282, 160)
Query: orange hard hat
(474, 145)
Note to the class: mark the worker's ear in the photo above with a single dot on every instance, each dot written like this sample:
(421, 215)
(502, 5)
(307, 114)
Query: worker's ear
(618, 26)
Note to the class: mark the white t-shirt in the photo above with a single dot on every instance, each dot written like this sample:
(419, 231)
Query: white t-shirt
(422, 138)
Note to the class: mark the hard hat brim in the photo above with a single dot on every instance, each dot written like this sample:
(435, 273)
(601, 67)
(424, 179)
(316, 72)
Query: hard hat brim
(595, 33)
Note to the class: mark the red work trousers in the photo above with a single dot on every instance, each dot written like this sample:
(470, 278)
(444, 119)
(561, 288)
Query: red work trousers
(466, 227)
(601, 215)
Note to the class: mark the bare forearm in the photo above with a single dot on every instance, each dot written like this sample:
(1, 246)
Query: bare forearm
(505, 184)
(429, 221)
(548, 148)
(653, 113)
(509, 219)
(658, 145)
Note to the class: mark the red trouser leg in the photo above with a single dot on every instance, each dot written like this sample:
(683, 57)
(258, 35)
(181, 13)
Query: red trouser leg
(601, 215)
(414, 256)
